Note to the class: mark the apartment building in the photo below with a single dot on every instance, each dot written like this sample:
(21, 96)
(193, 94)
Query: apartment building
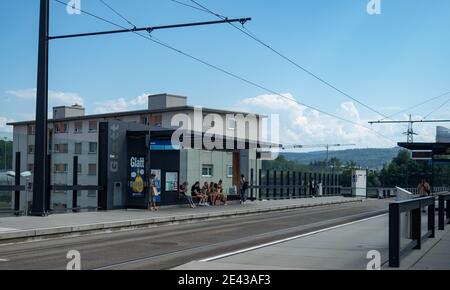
(107, 144)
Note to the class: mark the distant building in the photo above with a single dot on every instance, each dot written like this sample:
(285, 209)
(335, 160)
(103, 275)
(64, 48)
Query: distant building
(107, 146)
(442, 135)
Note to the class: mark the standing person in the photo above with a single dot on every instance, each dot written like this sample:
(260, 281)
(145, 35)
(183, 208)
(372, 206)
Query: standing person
(153, 193)
(427, 188)
(313, 188)
(421, 188)
(186, 194)
(243, 190)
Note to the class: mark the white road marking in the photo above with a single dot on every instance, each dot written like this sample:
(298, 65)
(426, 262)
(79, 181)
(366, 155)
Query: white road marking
(7, 230)
(287, 240)
(4, 260)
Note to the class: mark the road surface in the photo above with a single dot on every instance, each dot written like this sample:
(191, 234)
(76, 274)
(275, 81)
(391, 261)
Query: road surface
(167, 247)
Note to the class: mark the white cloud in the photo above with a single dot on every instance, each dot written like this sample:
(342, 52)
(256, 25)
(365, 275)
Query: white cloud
(5, 128)
(55, 97)
(301, 125)
(121, 104)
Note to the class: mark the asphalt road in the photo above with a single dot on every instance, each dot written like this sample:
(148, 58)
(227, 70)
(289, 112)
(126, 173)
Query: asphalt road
(169, 246)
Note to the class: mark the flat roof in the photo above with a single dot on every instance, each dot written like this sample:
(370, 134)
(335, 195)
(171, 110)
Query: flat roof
(131, 113)
(424, 146)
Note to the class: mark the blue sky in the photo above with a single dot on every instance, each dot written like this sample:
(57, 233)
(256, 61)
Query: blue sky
(389, 61)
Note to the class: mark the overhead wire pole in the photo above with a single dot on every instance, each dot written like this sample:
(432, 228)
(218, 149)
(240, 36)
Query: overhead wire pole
(410, 133)
(41, 171)
(41, 188)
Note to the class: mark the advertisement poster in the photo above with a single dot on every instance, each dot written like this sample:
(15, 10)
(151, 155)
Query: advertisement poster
(171, 181)
(157, 173)
(137, 177)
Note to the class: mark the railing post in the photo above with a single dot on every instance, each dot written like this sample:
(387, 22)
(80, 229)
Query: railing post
(448, 211)
(288, 182)
(274, 191)
(282, 184)
(432, 219)
(48, 187)
(75, 183)
(268, 184)
(441, 213)
(416, 221)
(394, 235)
(259, 184)
(17, 183)
(294, 183)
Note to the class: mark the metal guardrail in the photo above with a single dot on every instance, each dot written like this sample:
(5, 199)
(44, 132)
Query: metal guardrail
(444, 210)
(413, 206)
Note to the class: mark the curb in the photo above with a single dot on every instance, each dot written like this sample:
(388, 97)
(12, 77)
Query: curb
(79, 230)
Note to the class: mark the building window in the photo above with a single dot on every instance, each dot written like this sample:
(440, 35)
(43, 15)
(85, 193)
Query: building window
(92, 147)
(92, 126)
(230, 171)
(144, 120)
(156, 121)
(78, 127)
(92, 170)
(61, 148)
(92, 193)
(78, 148)
(60, 168)
(60, 128)
(231, 123)
(80, 168)
(207, 171)
(31, 130)
(31, 149)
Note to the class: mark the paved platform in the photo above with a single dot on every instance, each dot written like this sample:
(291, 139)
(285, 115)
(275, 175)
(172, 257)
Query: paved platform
(344, 247)
(437, 257)
(340, 248)
(28, 228)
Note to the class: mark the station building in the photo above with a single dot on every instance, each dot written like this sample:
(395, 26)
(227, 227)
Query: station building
(117, 151)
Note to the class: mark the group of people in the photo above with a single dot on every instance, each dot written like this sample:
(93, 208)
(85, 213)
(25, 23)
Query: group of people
(207, 195)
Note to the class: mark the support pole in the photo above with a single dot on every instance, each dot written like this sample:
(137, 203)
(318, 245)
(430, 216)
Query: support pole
(40, 185)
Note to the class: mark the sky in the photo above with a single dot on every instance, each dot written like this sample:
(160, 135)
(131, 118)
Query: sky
(389, 62)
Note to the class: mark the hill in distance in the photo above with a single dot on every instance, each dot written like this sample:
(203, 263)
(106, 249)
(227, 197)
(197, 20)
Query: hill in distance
(366, 158)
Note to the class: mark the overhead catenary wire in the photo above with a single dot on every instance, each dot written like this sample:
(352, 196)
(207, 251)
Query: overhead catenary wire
(117, 13)
(417, 105)
(161, 43)
(437, 109)
(250, 34)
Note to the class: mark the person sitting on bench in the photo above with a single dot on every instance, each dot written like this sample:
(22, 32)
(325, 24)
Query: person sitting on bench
(187, 195)
(196, 192)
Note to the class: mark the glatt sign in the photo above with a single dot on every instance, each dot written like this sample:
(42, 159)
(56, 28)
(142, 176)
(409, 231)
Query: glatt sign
(224, 132)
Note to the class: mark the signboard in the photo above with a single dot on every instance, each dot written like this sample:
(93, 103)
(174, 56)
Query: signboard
(359, 183)
(160, 145)
(137, 176)
(157, 181)
(171, 181)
